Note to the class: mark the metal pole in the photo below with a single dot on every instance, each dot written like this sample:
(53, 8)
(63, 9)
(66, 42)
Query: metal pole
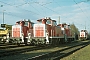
(59, 20)
(3, 14)
(3, 17)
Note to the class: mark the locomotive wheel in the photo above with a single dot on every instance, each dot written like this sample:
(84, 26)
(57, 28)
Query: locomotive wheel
(25, 41)
(33, 42)
(10, 41)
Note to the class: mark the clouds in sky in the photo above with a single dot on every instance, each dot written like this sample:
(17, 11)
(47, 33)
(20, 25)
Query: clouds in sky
(69, 11)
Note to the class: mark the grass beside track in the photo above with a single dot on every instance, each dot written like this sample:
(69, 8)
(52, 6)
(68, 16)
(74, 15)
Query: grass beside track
(83, 54)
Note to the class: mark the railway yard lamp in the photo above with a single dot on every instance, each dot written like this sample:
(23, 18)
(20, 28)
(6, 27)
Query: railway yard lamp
(3, 14)
(3, 25)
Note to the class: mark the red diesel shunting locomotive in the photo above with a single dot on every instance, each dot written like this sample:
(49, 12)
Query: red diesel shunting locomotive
(83, 35)
(21, 32)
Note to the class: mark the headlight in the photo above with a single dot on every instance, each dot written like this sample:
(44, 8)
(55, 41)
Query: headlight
(22, 34)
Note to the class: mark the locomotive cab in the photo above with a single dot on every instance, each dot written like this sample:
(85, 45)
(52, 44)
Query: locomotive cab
(5, 33)
(40, 32)
(21, 32)
(45, 30)
(83, 35)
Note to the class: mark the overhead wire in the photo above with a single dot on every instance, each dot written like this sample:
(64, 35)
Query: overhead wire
(5, 3)
(44, 5)
(21, 8)
(42, 8)
(50, 8)
(58, 5)
(32, 6)
(35, 6)
(82, 11)
(47, 8)
(80, 8)
(35, 9)
(9, 13)
(87, 13)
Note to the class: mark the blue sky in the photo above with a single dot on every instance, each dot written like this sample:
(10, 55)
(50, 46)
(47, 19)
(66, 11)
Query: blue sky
(70, 11)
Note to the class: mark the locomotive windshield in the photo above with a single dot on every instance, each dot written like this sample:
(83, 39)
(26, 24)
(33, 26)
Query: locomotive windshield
(54, 23)
(51, 22)
(48, 22)
(26, 23)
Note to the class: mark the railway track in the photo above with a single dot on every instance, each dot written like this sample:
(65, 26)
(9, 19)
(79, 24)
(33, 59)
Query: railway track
(4, 44)
(10, 46)
(18, 50)
(57, 55)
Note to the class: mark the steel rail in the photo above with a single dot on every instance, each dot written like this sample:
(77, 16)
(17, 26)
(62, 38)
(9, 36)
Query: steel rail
(56, 55)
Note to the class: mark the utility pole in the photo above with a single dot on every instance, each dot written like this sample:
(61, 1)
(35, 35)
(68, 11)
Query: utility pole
(3, 14)
(59, 20)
